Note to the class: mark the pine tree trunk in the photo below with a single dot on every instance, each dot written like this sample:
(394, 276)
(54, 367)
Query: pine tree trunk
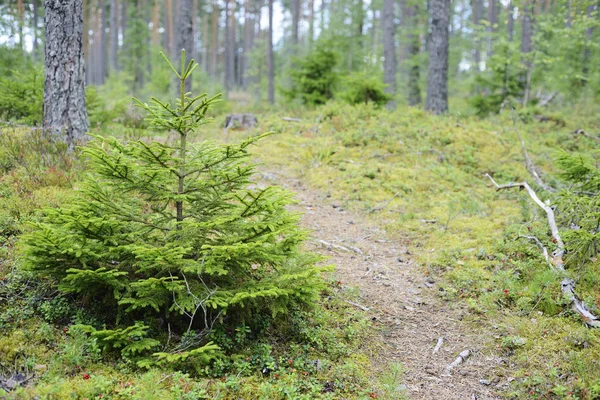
(510, 26)
(527, 47)
(248, 33)
(34, 27)
(21, 16)
(103, 41)
(270, 56)
(311, 23)
(123, 28)
(295, 21)
(493, 20)
(170, 36)
(414, 73)
(477, 16)
(229, 45)
(65, 114)
(155, 23)
(185, 36)
(437, 79)
(214, 39)
(389, 50)
(114, 35)
(587, 50)
(205, 43)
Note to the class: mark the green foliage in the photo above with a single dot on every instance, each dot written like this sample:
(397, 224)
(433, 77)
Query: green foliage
(364, 88)
(21, 96)
(174, 231)
(503, 84)
(314, 78)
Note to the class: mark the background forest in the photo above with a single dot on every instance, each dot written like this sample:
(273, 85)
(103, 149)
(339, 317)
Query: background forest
(445, 154)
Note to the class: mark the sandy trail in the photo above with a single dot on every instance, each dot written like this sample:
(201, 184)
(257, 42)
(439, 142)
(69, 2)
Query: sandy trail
(408, 314)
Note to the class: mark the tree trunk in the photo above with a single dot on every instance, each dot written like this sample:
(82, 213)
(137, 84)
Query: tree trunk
(102, 50)
(270, 56)
(205, 42)
(156, 23)
(248, 34)
(477, 17)
(311, 24)
(527, 47)
(124, 19)
(437, 79)
(34, 27)
(510, 26)
(229, 45)
(114, 35)
(412, 39)
(389, 51)
(65, 114)
(587, 50)
(170, 36)
(295, 21)
(185, 37)
(214, 39)
(493, 20)
(21, 16)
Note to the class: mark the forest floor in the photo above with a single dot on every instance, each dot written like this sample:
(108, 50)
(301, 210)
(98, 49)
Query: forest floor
(400, 300)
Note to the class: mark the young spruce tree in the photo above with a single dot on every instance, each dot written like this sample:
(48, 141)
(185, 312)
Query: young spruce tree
(174, 236)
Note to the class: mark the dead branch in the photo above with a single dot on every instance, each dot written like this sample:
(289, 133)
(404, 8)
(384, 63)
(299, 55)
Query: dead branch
(556, 258)
(357, 305)
(289, 119)
(587, 135)
(438, 346)
(541, 246)
(462, 357)
(531, 169)
(545, 100)
(385, 204)
(342, 248)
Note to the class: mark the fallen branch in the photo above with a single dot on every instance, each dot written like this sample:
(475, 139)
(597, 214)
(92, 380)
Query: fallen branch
(462, 357)
(587, 135)
(555, 260)
(357, 305)
(531, 169)
(342, 248)
(439, 344)
(289, 119)
(385, 204)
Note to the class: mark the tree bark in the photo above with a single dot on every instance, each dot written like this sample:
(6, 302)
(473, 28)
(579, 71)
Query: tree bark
(493, 20)
(510, 26)
(214, 39)
(295, 21)
(185, 37)
(527, 47)
(414, 73)
(389, 51)
(34, 25)
(229, 45)
(437, 79)
(114, 35)
(103, 40)
(123, 21)
(270, 56)
(248, 36)
(65, 114)
(155, 23)
(477, 17)
(21, 16)
(170, 36)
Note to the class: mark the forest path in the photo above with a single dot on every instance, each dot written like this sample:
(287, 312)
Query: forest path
(402, 300)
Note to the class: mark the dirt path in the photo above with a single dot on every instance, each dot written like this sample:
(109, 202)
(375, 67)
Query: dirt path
(402, 300)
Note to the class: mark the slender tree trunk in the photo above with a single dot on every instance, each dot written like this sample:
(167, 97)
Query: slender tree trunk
(270, 56)
(103, 41)
(156, 23)
(205, 43)
(527, 47)
(229, 47)
(34, 27)
(114, 35)
(21, 16)
(437, 79)
(170, 35)
(510, 26)
(493, 20)
(477, 17)
(247, 44)
(214, 38)
(587, 50)
(311, 24)
(569, 14)
(295, 21)
(65, 114)
(185, 36)
(389, 51)
(413, 48)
